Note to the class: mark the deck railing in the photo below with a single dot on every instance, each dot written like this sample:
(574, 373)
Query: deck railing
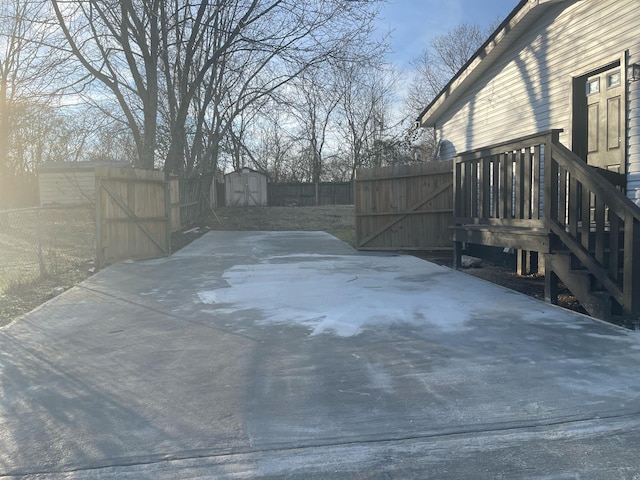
(536, 184)
(597, 222)
(501, 184)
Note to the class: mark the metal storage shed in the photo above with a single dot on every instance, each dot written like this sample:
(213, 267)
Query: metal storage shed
(245, 188)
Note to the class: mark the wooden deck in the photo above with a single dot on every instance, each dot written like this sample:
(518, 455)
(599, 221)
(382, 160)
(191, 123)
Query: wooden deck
(534, 195)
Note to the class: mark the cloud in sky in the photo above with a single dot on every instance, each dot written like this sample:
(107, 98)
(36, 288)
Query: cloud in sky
(412, 23)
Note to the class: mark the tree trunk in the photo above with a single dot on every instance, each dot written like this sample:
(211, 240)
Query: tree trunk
(147, 158)
(174, 162)
(4, 142)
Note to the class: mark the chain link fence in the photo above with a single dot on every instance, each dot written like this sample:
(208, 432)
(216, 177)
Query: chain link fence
(45, 241)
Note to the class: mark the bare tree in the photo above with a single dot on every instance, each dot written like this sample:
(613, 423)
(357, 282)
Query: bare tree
(280, 40)
(364, 111)
(445, 55)
(118, 43)
(216, 58)
(318, 97)
(34, 72)
(236, 141)
(440, 61)
(270, 146)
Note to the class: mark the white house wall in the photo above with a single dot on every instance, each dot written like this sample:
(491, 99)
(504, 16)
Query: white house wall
(67, 187)
(529, 90)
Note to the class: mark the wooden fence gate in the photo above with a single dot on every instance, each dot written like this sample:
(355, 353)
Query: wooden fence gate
(405, 207)
(132, 215)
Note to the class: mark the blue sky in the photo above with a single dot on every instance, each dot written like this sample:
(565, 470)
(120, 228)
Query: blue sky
(412, 23)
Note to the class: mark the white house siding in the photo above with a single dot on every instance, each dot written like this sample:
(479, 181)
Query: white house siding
(528, 90)
(633, 146)
(67, 187)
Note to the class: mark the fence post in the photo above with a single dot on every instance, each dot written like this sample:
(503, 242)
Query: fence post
(99, 254)
(457, 246)
(174, 211)
(41, 264)
(167, 212)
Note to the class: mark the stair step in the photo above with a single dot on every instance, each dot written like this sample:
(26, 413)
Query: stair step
(577, 265)
(596, 300)
(601, 294)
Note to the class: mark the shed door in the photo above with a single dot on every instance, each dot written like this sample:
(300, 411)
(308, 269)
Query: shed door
(252, 189)
(605, 121)
(235, 190)
(245, 189)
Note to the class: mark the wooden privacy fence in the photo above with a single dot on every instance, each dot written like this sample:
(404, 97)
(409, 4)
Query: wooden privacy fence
(137, 210)
(132, 215)
(310, 194)
(195, 199)
(405, 207)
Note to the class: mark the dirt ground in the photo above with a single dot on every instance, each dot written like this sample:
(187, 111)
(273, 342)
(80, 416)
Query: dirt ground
(336, 220)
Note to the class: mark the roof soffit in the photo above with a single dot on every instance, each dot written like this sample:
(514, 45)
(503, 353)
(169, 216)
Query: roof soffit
(518, 22)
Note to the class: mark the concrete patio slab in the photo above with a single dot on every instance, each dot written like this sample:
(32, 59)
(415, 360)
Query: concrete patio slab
(290, 355)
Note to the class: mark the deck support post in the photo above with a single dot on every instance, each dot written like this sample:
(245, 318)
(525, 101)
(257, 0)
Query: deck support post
(541, 264)
(457, 255)
(522, 263)
(527, 262)
(550, 287)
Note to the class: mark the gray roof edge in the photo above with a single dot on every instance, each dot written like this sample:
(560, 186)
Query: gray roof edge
(512, 28)
(50, 167)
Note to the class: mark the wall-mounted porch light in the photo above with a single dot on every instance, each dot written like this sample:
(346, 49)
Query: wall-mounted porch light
(633, 72)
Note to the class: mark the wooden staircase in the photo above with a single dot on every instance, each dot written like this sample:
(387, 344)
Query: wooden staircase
(582, 284)
(596, 249)
(534, 194)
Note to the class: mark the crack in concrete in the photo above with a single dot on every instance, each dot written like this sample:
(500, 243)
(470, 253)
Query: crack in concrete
(192, 455)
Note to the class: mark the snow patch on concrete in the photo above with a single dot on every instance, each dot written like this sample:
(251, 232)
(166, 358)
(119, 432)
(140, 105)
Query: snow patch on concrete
(346, 295)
